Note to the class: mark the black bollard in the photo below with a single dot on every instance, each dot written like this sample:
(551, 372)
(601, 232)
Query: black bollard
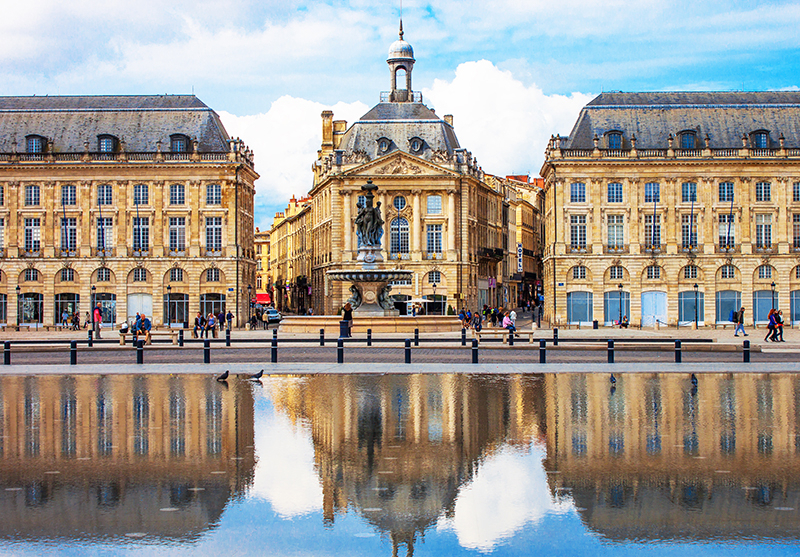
(511, 338)
(555, 336)
(369, 337)
(610, 351)
(140, 352)
(275, 334)
(73, 352)
(542, 351)
(227, 337)
(7, 353)
(408, 350)
(180, 337)
(339, 351)
(206, 351)
(463, 337)
(322, 337)
(273, 353)
(474, 350)
(416, 337)
(344, 329)
(678, 356)
(91, 339)
(745, 351)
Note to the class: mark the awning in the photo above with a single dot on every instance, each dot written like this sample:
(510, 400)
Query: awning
(263, 299)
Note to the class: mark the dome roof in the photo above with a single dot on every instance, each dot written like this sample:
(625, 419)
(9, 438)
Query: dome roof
(400, 49)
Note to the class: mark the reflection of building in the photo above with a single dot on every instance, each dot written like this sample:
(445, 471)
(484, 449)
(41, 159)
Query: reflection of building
(103, 455)
(263, 293)
(141, 203)
(656, 458)
(681, 206)
(398, 448)
(290, 259)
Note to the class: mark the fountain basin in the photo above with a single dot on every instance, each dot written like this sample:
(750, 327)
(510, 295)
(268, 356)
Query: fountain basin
(370, 289)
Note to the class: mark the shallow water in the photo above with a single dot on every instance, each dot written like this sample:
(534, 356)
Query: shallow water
(565, 464)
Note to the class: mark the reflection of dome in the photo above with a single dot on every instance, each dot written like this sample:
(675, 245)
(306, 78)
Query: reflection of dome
(400, 49)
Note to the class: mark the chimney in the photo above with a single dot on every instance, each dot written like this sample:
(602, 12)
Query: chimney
(339, 127)
(327, 130)
(448, 118)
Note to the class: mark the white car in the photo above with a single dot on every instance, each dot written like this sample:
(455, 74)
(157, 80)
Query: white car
(273, 316)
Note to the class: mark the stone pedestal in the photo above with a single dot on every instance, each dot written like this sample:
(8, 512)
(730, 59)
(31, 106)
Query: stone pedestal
(370, 291)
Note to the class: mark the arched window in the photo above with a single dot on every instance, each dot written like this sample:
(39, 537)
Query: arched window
(399, 235)
(760, 139)
(616, 273)
(579, 272)
(690, 272)
(178, 143)
(765, 272)
(653, 272)
(727, 272)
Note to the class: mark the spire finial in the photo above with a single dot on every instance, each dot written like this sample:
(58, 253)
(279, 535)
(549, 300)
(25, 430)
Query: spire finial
(401, 28)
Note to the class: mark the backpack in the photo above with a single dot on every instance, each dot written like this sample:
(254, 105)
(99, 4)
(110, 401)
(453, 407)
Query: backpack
(733, 315)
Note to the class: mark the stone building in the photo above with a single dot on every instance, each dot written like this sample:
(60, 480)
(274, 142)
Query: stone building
(443, 221)
(139, 203)
(675, 208)
(290, 256)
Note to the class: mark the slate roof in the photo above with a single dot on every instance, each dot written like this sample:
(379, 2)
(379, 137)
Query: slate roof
(400, 122)
(138, 120)
(724, 116)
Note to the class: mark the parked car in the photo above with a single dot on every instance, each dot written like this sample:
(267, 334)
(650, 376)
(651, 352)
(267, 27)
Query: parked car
(273, 315)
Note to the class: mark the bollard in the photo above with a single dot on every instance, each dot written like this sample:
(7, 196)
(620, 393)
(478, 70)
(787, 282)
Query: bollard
(7, 353)
(416, 337)
(322, 337)
(339, 351)
(408, 350)
(275, 334)
(595, 324)
(542, 351)
(206, 351)
(745, 351)
(511, 338)
(344, 329)
(180, 337)
(140, 352)
(228, 337)
(678, 355)
(555, 336)
(474, 350)
(91, 340)
(73, 353)
(369, 337)
(610, 351)
(463, 337)
(273, 353)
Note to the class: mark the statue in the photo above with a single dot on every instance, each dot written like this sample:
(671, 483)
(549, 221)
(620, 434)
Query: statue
(383, 298)
(369, 224)
(355, 298)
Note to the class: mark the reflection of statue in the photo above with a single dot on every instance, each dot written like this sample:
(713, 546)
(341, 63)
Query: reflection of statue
(355, 299)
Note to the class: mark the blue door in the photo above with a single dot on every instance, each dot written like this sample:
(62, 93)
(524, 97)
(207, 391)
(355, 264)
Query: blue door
(654, 308)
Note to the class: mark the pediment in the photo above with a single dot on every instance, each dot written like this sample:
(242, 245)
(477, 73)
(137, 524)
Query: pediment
(399, 164)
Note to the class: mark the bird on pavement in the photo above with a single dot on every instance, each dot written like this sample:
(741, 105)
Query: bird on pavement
(694, 380)
(257, 376)
(224, 376)
(613, 379)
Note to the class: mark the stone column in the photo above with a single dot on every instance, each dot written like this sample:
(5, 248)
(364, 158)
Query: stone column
(451, 224)
(415, 229)
(348, 226)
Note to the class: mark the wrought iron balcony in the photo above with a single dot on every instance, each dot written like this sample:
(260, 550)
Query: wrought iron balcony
(138, 252)
(615, 248)
(765, 248)
(30, 253)
(214, 252)
(654, 248)
(103, 252)
(176, 252)
(67, 252)
(727, 247)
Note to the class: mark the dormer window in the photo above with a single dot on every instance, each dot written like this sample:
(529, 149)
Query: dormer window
(34, 144)
(178, 143)
(760, 140)
(688, 140)
(416, 145)
(383, 145)
(107, 143)
(614, 140)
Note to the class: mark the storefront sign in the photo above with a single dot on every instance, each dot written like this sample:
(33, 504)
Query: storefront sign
(519, 257)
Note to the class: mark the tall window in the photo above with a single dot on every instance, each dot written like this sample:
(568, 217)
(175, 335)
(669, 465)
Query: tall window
(177, 233)
(579, 272)
(399, 235)
(177, 194)
(103, 274)
(795, 192)
(764, 230)
(68, 196)
(105, 195)
(796, 230)
(727, 272)
(688, 140)
(577, 231)
(726, 192)
(2, 196)
(616, 273)
(213, 194)
(434, 277)
(31, 196)
(577, 192)
(434, 235)
(763, 192)
(140, 275)
(214, 233)
(765, 272)
(690, 272)
(31, 275)
(727, 231)
(614, 140)
(32, 234)
(69, 234)
(176, 274)
(434, 204)
(689, 192)
(105, 233)
(2, 234)
(689, 231)
(212, 275)
(141, 233)
(141, 194)
(67, 275)
(34, 144)
(615, 231)
(652, 230)
(615, 192)
(760, 140)
(652, 192)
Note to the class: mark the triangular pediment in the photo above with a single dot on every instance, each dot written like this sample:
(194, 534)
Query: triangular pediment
(399, 163)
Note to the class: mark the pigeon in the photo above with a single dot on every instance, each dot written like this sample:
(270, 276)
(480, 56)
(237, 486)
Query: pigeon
(694, 380)
(224, 376)
(613, 379)
(257, 376)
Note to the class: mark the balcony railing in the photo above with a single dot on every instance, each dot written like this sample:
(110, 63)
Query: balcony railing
(177, 252)
(214, 253)
(578, 248)
(399, 256)
(67, 252)
(138, 252)
(727, 248)
(241, 154)
(30, 253)
(433, 255)
(653, 248)
(103, 252)
(765, 248)
(615, 248)
(690, 247)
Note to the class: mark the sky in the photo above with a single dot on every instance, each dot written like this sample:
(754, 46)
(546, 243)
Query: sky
(512, 73)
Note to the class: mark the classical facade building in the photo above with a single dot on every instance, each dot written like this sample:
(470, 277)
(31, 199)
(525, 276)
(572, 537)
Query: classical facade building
(443, 220)
(290, 259)
(675, 208)
(139, 203)
(261, 240)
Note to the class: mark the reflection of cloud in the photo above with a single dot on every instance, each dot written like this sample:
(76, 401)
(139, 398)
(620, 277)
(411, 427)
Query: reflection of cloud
(509, 491)
(285, 474)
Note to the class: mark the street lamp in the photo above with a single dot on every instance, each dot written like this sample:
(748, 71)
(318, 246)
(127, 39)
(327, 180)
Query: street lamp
(19, 305)
(434, 292)
(93, 303)
(249, 301)
(619, 286)
(696, 306)
(169, 306)
(773, 295)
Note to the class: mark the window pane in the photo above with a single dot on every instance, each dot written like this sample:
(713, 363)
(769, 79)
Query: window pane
(615, 192)
(434, 204)
(652, 192)
(577, 192)
(689, 192)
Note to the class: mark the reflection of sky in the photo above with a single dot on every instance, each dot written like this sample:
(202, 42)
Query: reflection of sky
(506, 510)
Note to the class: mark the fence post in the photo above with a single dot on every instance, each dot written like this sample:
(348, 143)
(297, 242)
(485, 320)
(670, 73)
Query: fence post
(73, 352)
(339, 351)
(678, 356)
(408, 350)
(140, 352)
(91, 339)
(7, 353)
(180, 337)
(555, 336)
(273, 356)
(745, 351)
(206, 351)
(322, 337)
(542, 351)
(227, 337)
(474, 350)
(610, 351)
(369, 337)
(416, 337)
(463, 337)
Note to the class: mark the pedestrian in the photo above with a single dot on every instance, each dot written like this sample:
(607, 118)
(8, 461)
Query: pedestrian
(137, 326)
(462, 316)
(64, 318)
(144, 328)
(221, 320)
(264, 320)
(624, 323)
(738, 320)
(779, 326)
(86, 321)
(771, 332)
(199, 325)
(98, 320)
(347, 315)
(493, 317)
(211, 325)
(477, 322)
(513, 316)
(229, 317)
(76, 321)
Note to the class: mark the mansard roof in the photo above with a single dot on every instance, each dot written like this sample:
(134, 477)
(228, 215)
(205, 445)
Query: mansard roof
(138, 120)
(724, 116)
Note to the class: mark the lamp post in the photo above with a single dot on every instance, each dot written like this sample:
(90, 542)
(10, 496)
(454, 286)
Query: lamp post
(696, 306)
(773, 295)
(619, 286)
(93, 303)
(19, 305)
(249, 301)
(169, 306)
(434, 292)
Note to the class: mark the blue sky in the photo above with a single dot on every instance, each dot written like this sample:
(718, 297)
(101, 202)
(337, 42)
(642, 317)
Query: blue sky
(506, 69)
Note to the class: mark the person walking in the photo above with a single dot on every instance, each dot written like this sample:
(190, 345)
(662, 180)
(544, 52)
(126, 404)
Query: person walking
(771, 333)
(779, 326)
(738, 320)
(87, 320)
(229, 318)
(221, 320)
(347, 315)
(98, 320)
